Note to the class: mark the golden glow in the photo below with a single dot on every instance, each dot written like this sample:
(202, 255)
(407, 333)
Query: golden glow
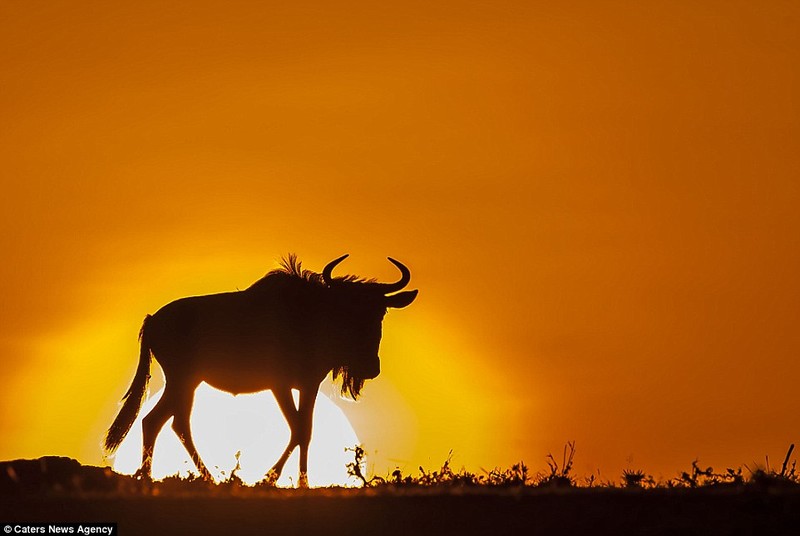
(597, 200)
(252, 425)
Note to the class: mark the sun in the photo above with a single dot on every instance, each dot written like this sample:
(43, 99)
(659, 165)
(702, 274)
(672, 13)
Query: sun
(224, 424)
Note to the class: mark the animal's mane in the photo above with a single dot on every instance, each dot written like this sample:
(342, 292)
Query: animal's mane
(291, 269)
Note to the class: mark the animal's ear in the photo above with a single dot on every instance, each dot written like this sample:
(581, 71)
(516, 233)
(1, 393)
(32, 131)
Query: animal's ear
(401, 299)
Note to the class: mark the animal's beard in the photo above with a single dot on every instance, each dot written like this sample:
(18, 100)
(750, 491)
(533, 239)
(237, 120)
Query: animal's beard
(351, 384)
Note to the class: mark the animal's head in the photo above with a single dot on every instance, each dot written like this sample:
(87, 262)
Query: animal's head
(357, 311)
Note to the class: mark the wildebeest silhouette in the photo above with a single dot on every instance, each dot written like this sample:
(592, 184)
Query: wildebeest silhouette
(286, 331)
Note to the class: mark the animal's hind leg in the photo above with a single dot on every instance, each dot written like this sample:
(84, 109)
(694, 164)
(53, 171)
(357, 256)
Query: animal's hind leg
(151, 426)
(183, 410)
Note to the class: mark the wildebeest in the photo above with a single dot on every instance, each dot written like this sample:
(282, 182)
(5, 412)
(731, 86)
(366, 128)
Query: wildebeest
(286, 331)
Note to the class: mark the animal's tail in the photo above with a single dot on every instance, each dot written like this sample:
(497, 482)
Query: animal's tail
(133, 398)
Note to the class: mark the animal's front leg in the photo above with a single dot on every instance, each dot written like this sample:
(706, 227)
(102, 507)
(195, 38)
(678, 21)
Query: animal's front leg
(305, 417)
(286, 404)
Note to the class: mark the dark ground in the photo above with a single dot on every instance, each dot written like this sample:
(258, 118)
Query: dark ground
(59, 489)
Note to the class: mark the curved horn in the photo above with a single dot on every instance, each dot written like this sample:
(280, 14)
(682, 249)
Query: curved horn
(405, 277)
(328, 270)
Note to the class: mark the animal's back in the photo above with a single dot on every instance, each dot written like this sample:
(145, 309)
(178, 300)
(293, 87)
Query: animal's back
(234, 338)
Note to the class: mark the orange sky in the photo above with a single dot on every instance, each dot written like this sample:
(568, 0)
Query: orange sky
(598, 202)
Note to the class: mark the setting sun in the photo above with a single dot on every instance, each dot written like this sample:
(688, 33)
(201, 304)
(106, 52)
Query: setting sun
(251, 424)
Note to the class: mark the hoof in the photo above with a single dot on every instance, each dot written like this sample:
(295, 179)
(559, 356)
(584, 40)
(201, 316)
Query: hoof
(143, 474)
(271, 478)
(205, 474)
(302, 481)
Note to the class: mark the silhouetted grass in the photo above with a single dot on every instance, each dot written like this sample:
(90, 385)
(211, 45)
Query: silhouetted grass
(700, 500)
(54, 475)
(559, 475)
